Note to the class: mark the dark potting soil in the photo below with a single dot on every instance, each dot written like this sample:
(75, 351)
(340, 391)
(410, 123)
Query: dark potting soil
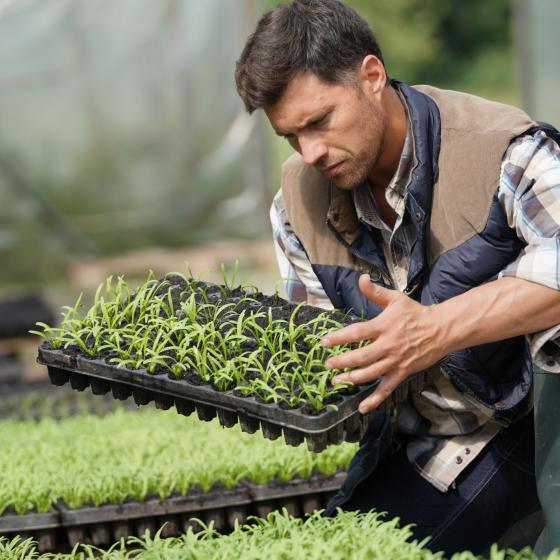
(72, 350)
(194, 378)
(249, 345)
(286, 406)
(307, 408)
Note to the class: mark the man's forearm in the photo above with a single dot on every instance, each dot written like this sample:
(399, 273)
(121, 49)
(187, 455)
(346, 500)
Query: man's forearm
(497, 310)
(408, 337)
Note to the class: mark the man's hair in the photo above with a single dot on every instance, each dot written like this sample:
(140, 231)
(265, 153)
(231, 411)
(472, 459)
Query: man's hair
(325, 37)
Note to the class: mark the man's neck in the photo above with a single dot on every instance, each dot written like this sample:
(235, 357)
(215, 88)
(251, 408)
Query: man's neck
(393, 140)
(387, 214)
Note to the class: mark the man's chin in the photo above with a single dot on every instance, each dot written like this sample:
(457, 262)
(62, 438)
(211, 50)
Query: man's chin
(346, 183)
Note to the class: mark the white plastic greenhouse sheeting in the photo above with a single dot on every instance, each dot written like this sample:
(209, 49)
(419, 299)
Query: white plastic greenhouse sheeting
(123, 115)
(536, 36)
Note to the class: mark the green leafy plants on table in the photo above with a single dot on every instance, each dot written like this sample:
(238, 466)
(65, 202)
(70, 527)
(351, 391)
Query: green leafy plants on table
(134, 455)
(360, 536)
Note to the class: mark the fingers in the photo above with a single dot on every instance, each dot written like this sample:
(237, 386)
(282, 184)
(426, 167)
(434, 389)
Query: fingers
(388, 384)
(361, 357)
(362, 375)
(366, 330)
(375, 293)
(352, 333)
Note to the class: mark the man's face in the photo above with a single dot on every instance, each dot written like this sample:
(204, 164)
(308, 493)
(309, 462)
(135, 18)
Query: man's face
(338, 129)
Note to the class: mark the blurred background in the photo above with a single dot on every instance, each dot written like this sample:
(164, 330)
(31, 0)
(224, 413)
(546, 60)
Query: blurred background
(124, 147)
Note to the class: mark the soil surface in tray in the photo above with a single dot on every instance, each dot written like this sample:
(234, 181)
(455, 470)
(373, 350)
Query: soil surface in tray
(237, 340)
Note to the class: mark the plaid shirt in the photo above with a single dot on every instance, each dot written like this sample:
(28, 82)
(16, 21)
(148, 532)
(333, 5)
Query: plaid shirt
(447, 428)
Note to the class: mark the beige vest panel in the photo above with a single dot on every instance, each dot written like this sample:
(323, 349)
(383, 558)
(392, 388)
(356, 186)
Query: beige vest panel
(306, 198)
(475, 134)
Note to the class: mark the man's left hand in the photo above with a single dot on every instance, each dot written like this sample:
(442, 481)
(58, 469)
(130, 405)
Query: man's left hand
(405, 338)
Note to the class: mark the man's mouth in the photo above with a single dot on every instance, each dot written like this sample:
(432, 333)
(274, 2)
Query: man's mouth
(334, 169)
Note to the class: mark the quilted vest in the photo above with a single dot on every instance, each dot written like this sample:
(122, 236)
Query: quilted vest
(462, 235)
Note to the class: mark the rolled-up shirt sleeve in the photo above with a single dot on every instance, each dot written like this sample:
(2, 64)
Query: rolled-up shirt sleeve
(300, 282)
(529, 193)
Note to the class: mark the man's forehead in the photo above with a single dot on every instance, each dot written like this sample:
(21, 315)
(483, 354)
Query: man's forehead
(303, 100)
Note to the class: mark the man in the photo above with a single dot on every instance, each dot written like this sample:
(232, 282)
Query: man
(437, 214)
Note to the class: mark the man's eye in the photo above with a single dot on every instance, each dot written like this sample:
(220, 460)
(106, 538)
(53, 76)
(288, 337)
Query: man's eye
(319, 123)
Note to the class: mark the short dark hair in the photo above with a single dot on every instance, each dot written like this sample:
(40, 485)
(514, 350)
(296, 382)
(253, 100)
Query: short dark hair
(325, 37)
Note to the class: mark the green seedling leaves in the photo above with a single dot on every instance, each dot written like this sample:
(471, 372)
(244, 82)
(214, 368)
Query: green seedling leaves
(174, 328)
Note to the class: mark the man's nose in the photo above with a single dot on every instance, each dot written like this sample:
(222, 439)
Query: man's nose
(312, 150)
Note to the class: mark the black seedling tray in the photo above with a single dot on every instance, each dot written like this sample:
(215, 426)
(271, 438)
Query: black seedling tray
(42, 526)
(107, 524)
(328, 427)
(224, 508)
(298, 497)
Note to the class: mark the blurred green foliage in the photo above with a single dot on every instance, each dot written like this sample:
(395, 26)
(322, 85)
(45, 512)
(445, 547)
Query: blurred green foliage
(127, 163)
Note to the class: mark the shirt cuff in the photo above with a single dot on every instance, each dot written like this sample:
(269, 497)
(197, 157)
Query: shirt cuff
(545, 349)
(538, 263)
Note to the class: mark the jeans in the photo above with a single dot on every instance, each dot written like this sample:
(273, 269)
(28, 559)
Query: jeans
(497, 489)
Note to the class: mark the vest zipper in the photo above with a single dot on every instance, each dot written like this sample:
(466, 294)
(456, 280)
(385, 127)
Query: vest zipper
(409, 290)
(376, 275)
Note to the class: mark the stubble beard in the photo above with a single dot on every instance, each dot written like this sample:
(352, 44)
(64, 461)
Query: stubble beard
(361, 165)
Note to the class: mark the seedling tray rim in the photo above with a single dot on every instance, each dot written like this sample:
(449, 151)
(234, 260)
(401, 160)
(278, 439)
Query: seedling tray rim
(204, 394)
(237, 496)
(294, 488)
(29, 522)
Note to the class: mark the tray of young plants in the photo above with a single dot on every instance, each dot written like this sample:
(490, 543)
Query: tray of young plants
(128, 471)
(219, 350)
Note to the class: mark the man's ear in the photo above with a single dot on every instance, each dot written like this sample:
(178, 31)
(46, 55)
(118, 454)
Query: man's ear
(372, 76)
